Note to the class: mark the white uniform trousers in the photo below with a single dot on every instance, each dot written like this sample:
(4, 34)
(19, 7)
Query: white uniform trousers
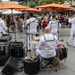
(30, 38)
(72, 38)
(55, 33)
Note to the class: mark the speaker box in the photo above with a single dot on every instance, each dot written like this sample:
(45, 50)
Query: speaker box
(16, 49)
(10, 66)
(3, 59)
(2, 50)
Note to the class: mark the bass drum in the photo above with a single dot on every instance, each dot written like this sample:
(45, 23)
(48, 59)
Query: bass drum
(31, 67)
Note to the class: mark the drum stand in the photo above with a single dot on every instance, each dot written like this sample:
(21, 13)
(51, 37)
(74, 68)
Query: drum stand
(27, 41)
(58, 33)
(14, 34)
(29, 50)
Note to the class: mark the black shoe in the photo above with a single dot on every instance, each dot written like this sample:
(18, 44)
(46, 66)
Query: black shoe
(68, 44)
(29, 50)
(74, 46)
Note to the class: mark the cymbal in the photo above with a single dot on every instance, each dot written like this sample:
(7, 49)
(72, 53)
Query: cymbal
(36, 37)
(33, 42)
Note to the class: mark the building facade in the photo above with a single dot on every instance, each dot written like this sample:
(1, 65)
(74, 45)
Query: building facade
(6, 1)
(23, 2)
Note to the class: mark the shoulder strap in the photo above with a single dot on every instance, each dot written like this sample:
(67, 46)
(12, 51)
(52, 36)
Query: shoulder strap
(44, 38)
(51, 24)
(31, 21)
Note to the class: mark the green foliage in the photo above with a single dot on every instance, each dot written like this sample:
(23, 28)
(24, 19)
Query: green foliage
(39, 2)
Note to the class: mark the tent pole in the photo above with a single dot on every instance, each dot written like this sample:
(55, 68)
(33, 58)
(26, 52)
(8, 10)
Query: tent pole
(12, 21)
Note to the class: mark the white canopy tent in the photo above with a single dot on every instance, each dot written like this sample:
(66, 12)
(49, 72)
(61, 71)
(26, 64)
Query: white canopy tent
(9, 11)
(1, 11)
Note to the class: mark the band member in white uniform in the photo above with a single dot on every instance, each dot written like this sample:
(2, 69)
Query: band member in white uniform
(53, 24)
(3, 28)
(32, 28)
(47, 45)
(71, 41)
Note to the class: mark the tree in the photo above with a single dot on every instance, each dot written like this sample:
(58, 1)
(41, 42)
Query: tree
(41, 2)
(71, 2)
(33, 3)
(51, 1)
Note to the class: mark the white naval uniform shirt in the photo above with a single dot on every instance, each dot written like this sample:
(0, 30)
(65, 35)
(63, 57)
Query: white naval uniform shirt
(32, 24)
(72, 21)
(53, 24)
(2, 27)
(47, 48)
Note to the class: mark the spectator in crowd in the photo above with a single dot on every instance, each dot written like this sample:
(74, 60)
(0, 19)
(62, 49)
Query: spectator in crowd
(20, 24)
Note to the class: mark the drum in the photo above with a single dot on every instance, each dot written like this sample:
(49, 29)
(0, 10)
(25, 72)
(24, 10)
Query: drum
(31, 67)
(34, 42)
(37, 38)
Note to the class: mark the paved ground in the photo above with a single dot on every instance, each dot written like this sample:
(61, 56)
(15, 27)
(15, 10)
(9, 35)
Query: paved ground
(70, 62)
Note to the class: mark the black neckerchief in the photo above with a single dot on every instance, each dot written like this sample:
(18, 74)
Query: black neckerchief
(49, 40)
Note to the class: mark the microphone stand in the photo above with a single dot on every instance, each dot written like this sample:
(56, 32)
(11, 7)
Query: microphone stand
(15, 36)
(29, 40)
(58, 30)
(27, 43)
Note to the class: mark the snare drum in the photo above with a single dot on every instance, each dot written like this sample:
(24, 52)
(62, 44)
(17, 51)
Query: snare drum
(36, 38)
(33, 42)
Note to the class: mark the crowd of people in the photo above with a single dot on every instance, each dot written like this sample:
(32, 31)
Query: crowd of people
(47, 23)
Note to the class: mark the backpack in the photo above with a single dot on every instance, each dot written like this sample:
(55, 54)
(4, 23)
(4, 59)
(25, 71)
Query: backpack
(20, 23)
(44, 24)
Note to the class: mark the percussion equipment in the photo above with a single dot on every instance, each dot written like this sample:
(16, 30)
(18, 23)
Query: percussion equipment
(31, 67)
(33, 42)
(36, 38)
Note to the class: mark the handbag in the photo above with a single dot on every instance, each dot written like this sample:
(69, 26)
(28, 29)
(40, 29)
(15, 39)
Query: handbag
(44, 24)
